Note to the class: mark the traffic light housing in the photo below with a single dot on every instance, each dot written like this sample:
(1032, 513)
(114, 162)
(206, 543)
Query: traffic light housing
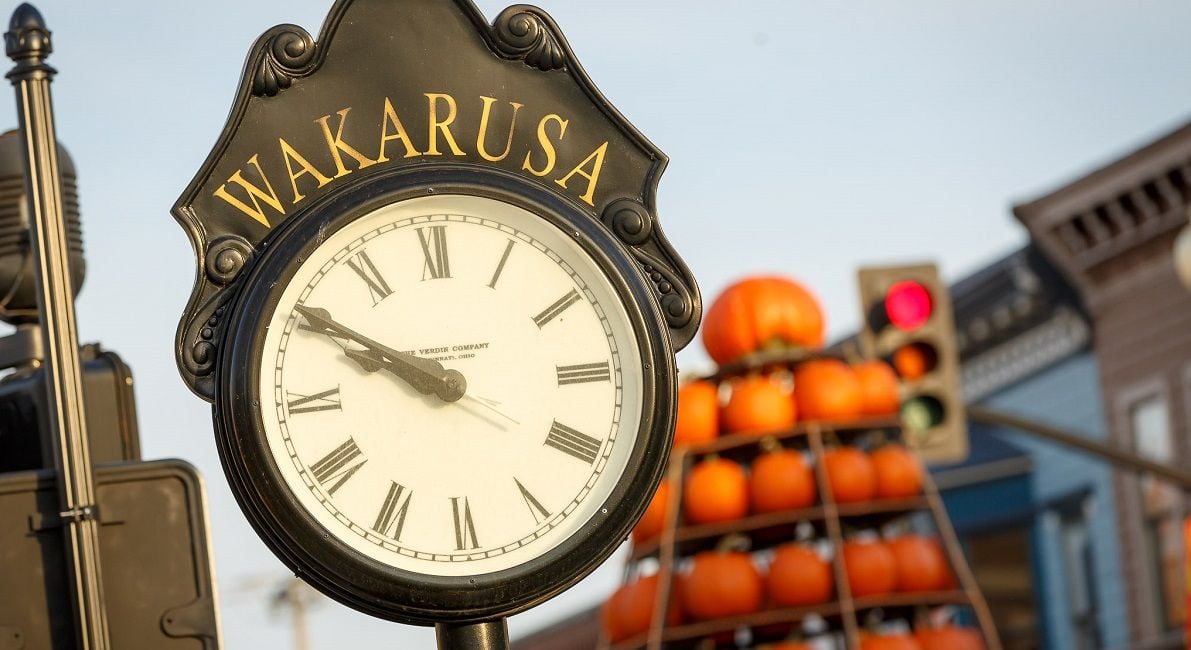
(908, 322)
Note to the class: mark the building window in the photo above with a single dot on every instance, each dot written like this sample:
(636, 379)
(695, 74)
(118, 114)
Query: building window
(1149, 422)
(1080, 577)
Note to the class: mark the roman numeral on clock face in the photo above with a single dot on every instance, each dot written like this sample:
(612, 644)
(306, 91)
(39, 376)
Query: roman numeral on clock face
(363, 266)
(584, 373)
(328, 400)
(434, 248)
(572, 442)
(337, 466)
(392, 512)
(557, 308)
(465, 529)
(535, 506)
(500, 266)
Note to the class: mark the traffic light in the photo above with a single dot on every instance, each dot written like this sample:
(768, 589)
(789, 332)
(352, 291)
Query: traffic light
(908, 322)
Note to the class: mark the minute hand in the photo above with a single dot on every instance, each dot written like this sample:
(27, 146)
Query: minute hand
(427, 376)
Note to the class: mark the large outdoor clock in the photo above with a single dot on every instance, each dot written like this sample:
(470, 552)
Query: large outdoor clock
(435, 312)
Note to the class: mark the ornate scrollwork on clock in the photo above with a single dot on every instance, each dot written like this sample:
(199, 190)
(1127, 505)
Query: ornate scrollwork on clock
(287, 53)
(674, 286)
(223, 261)
(522, 34)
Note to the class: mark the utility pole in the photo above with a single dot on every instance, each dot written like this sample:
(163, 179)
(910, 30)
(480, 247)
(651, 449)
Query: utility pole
(295, 597)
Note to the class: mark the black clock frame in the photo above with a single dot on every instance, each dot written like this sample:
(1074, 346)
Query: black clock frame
(339, 571)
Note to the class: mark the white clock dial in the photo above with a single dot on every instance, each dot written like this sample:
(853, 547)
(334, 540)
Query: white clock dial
(451, 385)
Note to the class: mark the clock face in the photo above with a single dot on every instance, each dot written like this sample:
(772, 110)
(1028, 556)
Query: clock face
(450, 385)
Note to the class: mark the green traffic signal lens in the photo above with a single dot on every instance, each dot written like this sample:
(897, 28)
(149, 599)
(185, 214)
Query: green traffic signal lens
(922, 412)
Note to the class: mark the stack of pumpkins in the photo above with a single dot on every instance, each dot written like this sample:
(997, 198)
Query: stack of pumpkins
(767, 314)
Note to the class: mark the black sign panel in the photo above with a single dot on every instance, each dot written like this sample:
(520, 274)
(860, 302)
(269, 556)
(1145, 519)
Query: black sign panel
(158, 585)
(398, 84)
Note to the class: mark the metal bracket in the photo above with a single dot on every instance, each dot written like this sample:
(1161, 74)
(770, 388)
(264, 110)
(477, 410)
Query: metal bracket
(22, 348)
(194, 619)
(43, 521)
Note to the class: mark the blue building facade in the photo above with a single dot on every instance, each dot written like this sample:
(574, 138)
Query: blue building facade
(1037, 519)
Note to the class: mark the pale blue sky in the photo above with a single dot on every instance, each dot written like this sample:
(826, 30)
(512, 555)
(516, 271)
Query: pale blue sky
(805, 138)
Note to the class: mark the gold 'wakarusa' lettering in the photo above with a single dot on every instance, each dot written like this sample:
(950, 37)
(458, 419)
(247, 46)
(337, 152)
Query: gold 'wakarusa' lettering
(337, 146)
(304, 167)
(597, 163)
(444, 125)
(399, 133)
(547, 146)
(250, 191)
(255, 194)
(483, 134)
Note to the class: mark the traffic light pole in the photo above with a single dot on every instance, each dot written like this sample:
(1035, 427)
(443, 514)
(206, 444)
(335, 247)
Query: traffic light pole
(27, 43)
(1176, 475)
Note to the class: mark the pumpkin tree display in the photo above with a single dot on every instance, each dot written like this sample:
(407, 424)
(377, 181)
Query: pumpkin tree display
(792, 516)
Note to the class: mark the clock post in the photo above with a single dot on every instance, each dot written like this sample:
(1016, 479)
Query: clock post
(488, 635)
(434, 310)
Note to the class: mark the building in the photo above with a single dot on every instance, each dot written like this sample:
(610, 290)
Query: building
(1112, 233)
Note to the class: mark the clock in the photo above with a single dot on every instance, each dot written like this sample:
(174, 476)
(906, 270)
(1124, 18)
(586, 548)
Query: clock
(446, 395)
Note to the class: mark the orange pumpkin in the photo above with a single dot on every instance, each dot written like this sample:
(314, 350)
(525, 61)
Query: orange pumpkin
(921, 565)
(827, 389)
(781, 480)
(758, 405)
(716, 490)
(870, 567)
(949, 638)
(850, 473)
(630, 610)
(654, 519)
(722, 584)
(698, 413)
(759, 313)
(899, 474)
(798, 576)
(878, 388)
(888, 642)
(610, 617)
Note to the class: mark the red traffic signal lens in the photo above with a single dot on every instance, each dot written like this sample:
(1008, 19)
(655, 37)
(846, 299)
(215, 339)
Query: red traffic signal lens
(908, 305)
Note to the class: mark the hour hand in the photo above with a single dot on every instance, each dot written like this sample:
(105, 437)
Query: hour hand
(448, 385)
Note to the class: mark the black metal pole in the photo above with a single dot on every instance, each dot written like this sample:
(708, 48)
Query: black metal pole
(27, 43)
(487, 635)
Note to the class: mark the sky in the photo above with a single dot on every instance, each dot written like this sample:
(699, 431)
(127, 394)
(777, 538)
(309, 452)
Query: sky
(805, 138)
